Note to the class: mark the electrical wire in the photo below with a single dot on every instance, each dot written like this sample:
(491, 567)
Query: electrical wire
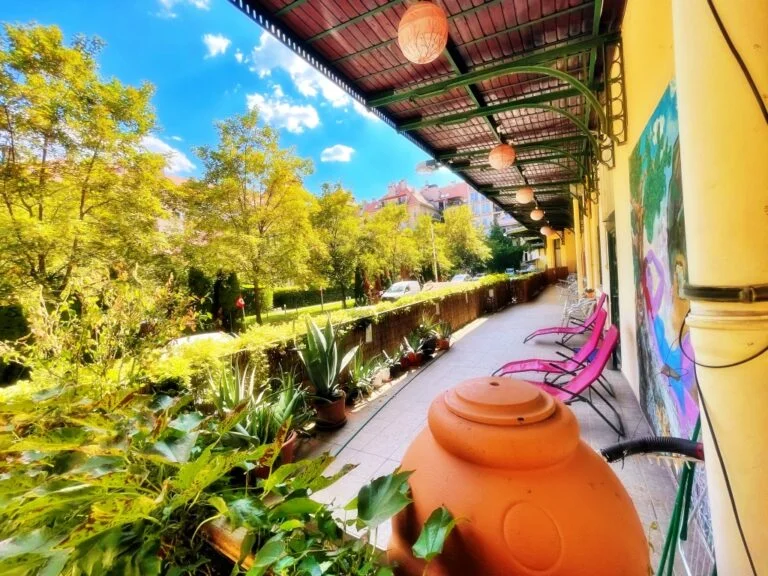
(740, 61)
(715, 442)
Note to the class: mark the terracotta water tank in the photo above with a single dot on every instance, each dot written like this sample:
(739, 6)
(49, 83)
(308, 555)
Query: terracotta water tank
(531, 498)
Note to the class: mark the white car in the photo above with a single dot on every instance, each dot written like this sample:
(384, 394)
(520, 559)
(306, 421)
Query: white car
(462, 278)
(400, 289)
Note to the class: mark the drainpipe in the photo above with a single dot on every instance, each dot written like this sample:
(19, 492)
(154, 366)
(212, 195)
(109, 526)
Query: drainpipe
(724, 160)
(577, 245)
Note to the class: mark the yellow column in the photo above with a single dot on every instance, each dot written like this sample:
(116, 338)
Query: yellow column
(577, 242)
(594, 222)
(724, 159)
(589, 277)
(551, 252)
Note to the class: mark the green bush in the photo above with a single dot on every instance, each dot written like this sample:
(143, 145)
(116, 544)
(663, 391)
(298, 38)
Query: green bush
(13, 323)
(297, 297)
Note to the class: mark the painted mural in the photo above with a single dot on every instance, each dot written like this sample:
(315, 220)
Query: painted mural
(667, 387)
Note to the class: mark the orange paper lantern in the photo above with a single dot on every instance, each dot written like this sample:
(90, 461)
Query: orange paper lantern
(547, 231)
(537, 214)
(524, 195)
(423, 32)
(502, 156)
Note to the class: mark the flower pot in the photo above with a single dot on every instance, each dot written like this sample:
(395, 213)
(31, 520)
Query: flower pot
(395, 370)
(287, 455)
(443, 343)
(331, 413)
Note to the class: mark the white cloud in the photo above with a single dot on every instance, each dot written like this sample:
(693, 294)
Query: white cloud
(177, 138)
(269, 54)
(167, 6)
(337, 153)
(282, 114)
(239, 56)
(176, 162)
(216, 44)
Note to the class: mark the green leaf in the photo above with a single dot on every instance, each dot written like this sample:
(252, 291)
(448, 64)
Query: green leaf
(177, 449)
(109, 513)
(186, 422)
(290, 525)
(383, 498)
(268, 554)
(34, 542)
(219, 504)
(247, 512)
(434, 534)
(294, 507)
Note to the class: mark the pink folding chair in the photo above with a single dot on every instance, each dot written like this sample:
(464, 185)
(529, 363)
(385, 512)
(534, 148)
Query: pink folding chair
(581, 386)
(570, 331)
(569, 364)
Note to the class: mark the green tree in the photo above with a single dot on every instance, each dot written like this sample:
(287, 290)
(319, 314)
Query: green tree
(250, 212)
(389, 247)
(336, 220)
(504, 253)
(465, 242)
(429, 237)
(78, 190)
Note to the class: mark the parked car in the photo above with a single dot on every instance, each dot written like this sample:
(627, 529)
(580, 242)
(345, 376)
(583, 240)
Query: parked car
(461, 278)
(510, 272)
(478, 276)
(400, 289)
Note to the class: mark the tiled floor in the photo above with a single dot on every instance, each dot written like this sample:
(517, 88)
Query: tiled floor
(377, 435)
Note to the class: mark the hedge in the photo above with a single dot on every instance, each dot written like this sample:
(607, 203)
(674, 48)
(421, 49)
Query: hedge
(297, 297)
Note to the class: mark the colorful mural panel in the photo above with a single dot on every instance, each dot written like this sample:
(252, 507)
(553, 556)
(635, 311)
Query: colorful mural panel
(667, 386)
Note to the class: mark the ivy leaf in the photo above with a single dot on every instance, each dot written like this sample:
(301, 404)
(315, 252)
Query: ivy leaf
(110, 513)
(268, 554)
(434, 534)
(294, 507)
(383, 498)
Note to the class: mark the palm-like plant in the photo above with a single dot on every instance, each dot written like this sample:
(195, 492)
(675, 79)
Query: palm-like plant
(321, 360)
(231, 385)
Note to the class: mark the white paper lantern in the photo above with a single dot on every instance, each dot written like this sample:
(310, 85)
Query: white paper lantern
(537, 214)
(524, 195)
(547, 231)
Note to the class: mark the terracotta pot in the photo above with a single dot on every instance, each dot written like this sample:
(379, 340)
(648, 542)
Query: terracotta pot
(287, 455)
(331, 415)
(532, 499)
(443, 343)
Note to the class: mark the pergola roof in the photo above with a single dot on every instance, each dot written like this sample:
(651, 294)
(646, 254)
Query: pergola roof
(526, 72)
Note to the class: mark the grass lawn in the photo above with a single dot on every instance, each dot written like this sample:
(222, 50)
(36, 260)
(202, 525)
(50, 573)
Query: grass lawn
(278, 315)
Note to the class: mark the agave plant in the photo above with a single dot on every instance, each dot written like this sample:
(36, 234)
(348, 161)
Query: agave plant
(231, 384)
(321, 360)
(361, 373)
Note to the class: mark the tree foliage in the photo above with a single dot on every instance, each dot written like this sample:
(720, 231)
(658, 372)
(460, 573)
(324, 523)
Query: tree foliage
(389, 248)
(465, 242)
(504, 253)
(336, 221)
(77, 188)
(250, 211)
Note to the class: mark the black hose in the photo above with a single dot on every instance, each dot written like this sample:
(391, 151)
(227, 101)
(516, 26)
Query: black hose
(653, 445)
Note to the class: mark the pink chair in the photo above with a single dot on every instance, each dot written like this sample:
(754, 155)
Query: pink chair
(581, 386)
(568, 364)
(570, 331)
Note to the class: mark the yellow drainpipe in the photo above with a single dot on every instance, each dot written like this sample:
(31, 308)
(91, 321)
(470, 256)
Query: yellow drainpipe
(724, 160)
(577, 242)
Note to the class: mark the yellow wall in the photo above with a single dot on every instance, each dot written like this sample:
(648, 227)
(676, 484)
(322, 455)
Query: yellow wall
(568, 251)
(648, 69)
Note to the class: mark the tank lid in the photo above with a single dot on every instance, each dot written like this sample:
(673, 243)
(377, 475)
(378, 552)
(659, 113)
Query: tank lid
(499, 401)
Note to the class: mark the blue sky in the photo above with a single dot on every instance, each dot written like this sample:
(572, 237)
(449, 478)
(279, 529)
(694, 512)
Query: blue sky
(208, 61)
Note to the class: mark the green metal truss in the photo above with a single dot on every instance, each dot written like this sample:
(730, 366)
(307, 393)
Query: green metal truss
(515, 66)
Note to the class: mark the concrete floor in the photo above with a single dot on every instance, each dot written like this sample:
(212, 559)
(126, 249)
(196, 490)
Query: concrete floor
(378, 433)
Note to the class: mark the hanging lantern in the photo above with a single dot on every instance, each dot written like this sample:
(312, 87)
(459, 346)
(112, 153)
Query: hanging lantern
(524, 195)
(502, 156)
(547, 231)
(423, 32)
(537, 214)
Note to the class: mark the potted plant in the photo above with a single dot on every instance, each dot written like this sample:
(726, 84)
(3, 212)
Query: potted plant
(361, 376)
(393, 363)
(428, 336)
(444, 332)
(323, 366)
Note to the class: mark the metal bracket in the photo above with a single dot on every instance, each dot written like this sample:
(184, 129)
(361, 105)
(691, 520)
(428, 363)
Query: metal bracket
(742, 294)
(615, 91)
